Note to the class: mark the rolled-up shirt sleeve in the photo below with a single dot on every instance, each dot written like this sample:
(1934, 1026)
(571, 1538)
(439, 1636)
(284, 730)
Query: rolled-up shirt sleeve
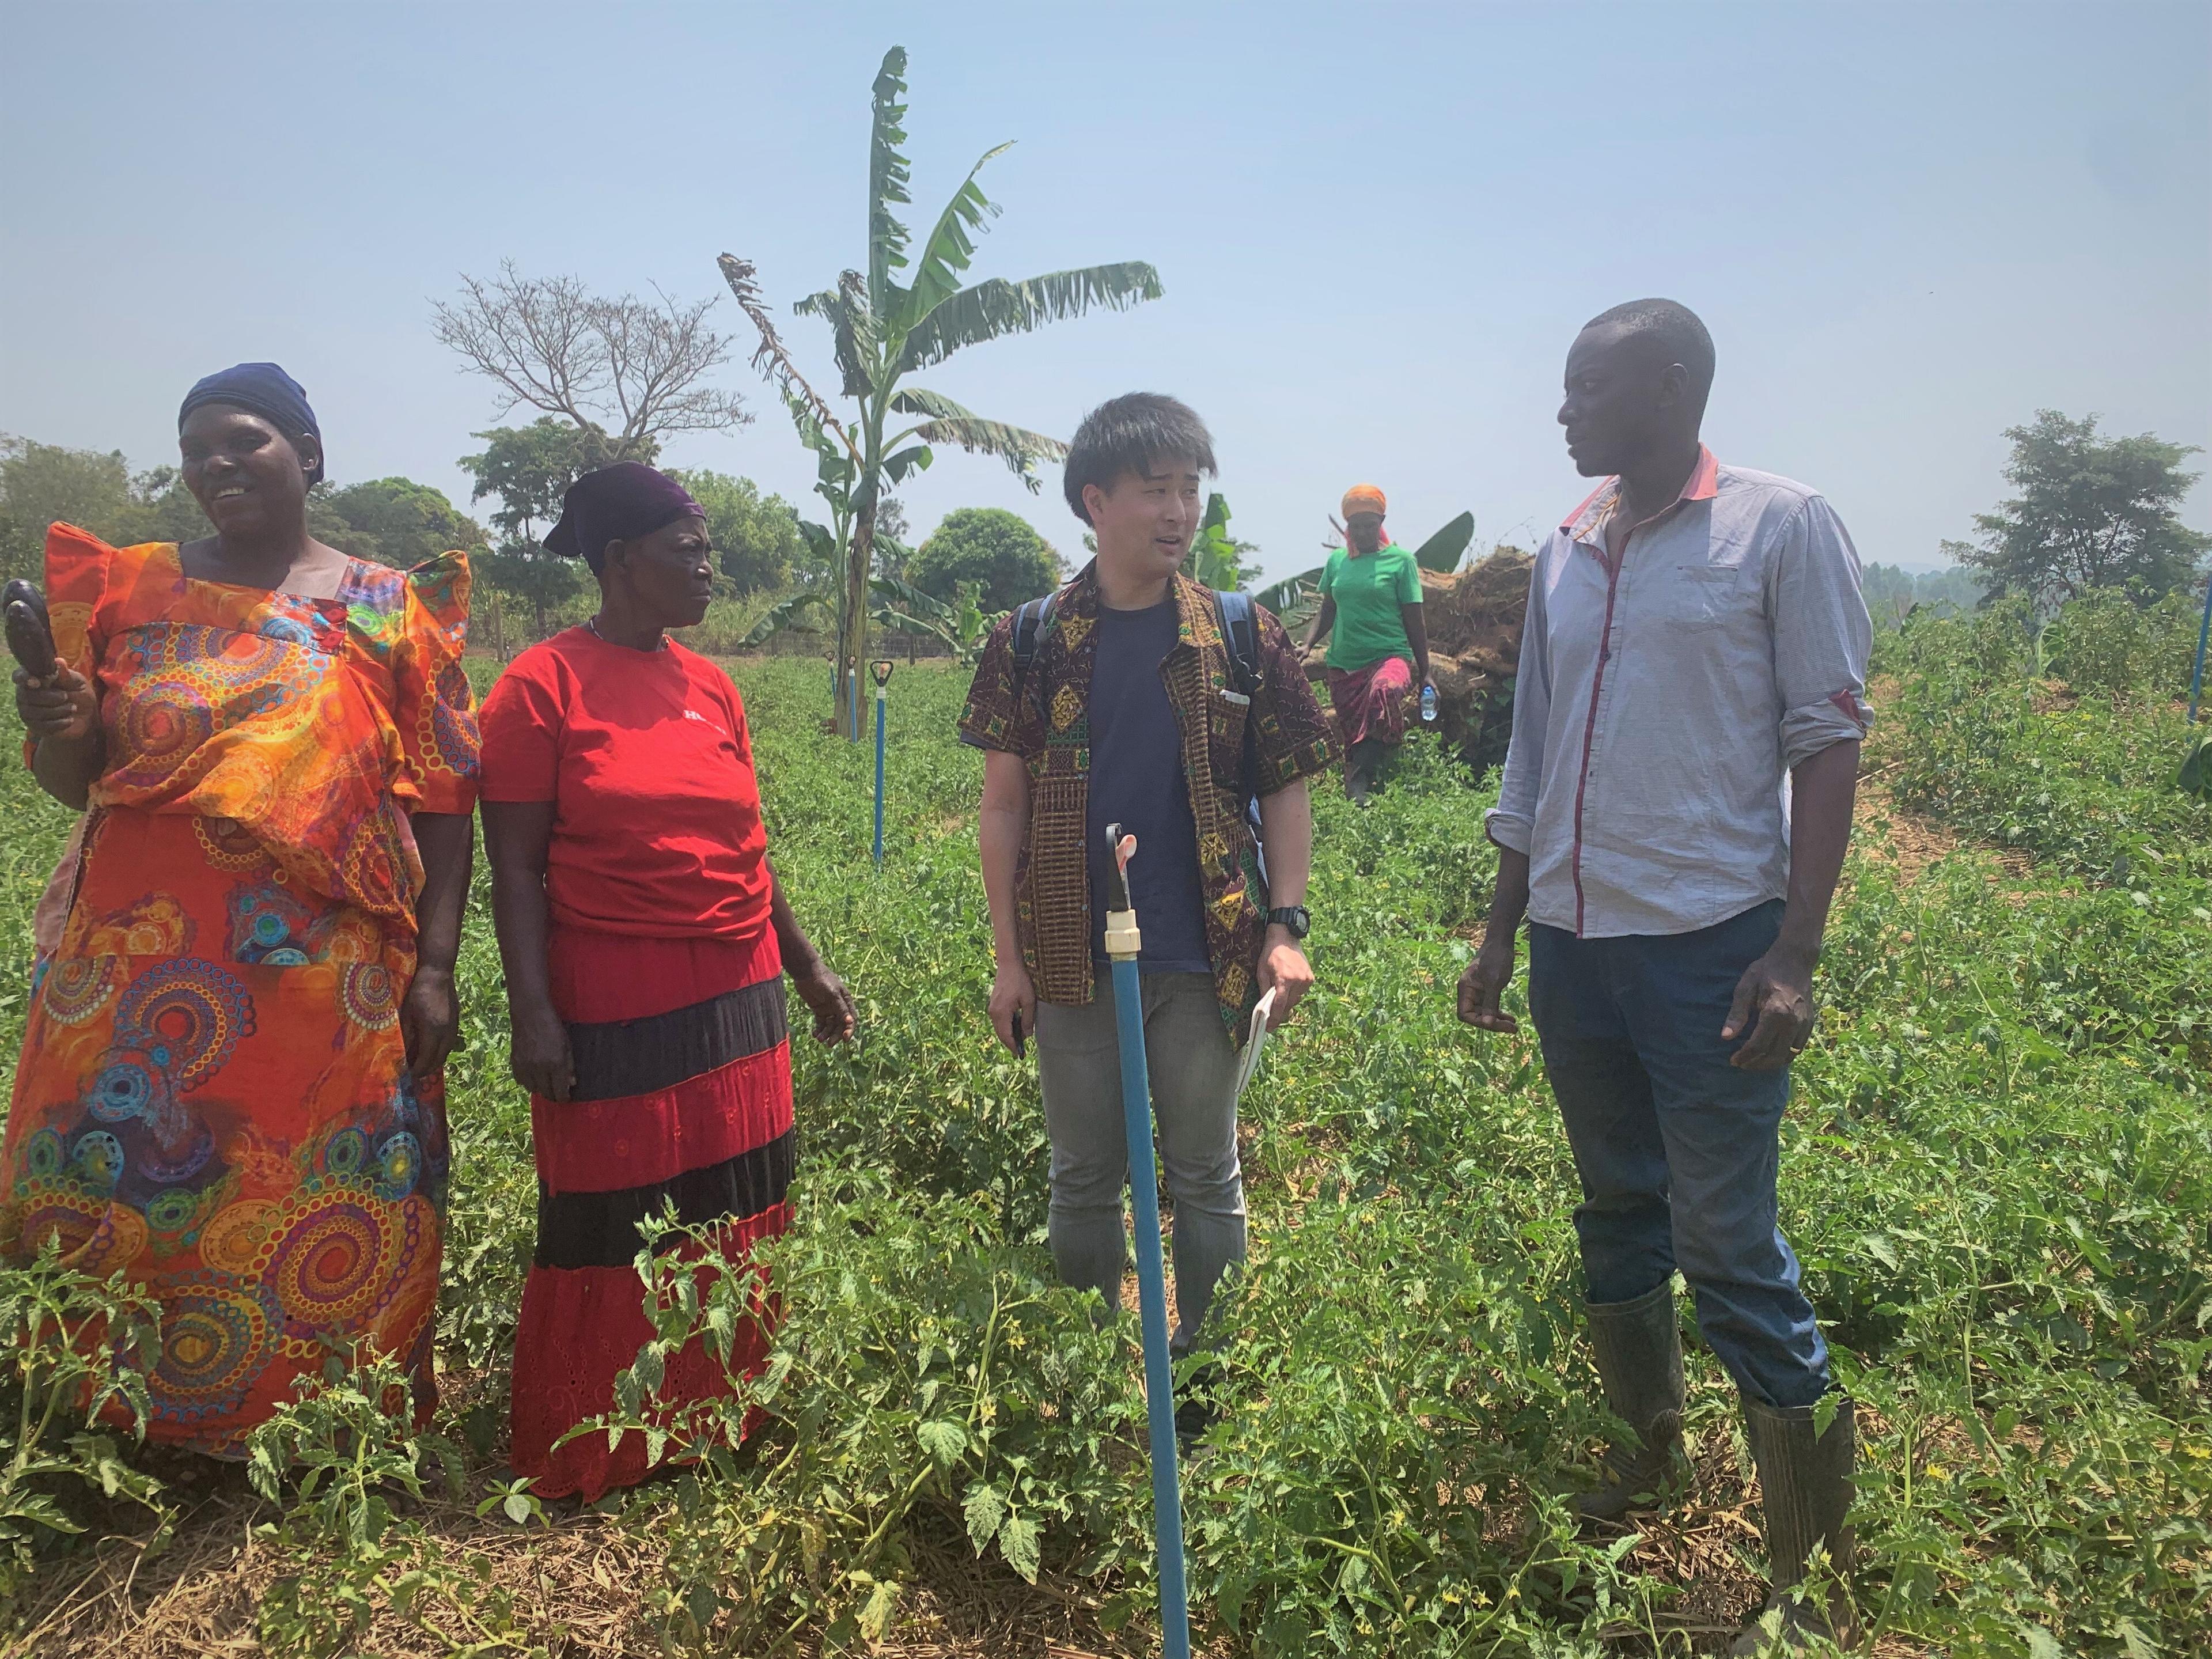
(1822, 635)
(1512, 823)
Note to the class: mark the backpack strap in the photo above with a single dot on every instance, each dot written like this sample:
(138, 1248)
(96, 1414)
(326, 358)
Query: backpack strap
(1030, 621)
(1240, 627)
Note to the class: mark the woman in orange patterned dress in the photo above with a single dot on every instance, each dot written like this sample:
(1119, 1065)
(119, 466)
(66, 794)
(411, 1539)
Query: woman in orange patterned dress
(230, 1084)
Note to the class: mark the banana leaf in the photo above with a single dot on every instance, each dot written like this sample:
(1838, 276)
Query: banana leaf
(1443, 552)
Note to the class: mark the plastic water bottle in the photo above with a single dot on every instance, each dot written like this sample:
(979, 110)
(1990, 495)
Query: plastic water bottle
(1428, 704)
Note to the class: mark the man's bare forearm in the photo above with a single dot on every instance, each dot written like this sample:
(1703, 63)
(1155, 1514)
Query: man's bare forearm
(1509, 898)
(1287, 824)
(1002, 820)
(1823, 791)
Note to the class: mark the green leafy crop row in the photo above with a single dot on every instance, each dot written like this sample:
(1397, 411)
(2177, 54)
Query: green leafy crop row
(1997, 1168)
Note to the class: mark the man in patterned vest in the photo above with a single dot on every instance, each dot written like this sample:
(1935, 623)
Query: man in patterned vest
(1127, 705)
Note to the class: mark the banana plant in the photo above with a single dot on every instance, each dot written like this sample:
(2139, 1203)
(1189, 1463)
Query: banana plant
(884, 330)
(962, 626)
(1443, 552)
(1294, 599)
(1216, 558)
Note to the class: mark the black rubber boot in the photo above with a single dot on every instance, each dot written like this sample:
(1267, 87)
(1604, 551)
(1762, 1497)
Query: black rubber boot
(1639, 1360)
(1806, 1483)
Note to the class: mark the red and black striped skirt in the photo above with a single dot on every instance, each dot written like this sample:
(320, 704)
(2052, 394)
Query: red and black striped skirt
(683, 1093)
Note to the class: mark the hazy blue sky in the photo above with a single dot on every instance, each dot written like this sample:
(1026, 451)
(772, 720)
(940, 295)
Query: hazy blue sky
(1379, 226)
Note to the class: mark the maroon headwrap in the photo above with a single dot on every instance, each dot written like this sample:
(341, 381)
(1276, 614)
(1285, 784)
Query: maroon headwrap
(617, 503)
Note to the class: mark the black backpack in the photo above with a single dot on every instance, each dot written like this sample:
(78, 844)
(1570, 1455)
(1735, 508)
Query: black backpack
(1240, 627)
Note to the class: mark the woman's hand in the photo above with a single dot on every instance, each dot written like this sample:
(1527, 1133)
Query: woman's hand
(63, 707)
(538, 1054)
(429, 1020)
(822, 991)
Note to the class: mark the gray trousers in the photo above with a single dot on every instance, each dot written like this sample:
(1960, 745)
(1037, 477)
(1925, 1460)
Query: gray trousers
(1192, 1069)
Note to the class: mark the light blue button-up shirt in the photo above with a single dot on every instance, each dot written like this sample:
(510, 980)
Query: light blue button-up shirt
(1661, 704)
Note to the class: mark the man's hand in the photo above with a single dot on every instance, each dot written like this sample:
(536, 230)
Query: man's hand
(1013, 994)
(824, 994)
(63, 707)
(1482, 985)
(429, 1020)
(1774, 1002)
(1284, 970)
(539, 1056)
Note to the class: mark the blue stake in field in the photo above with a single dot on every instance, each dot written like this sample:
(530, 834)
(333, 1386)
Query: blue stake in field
(2203, 635)
(1122, 944)
(882, 671)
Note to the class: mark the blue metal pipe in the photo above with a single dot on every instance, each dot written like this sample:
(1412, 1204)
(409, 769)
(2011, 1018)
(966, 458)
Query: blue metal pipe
(2204, 634)
(880, 700)
(1122, 946)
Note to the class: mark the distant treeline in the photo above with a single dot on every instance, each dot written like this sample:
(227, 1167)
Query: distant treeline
(1890, 590)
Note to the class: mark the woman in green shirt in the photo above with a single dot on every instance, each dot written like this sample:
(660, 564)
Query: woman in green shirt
(1378, 651)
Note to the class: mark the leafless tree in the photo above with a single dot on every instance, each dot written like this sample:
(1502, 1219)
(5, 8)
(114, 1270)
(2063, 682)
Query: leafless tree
(628, 372)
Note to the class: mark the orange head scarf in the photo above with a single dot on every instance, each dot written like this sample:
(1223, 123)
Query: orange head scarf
(1365, 498)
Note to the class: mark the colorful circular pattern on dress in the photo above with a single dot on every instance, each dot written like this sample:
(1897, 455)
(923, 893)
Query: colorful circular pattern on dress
(161, 720)
(195, 1009)
(398, 1166)
(230, 846)
(227, 657)
(344, 1155)
(154, 927)
(98, 1157)
(216, 1339)
(337, 1259)
(63, 1215)
(452, 728)
(79, 986)
(125, 1087)
(236, 1236)
(370, 866)
(117, 1242)
(194, 1151)
(43, 1155)
(172, 1212)
(368, 997)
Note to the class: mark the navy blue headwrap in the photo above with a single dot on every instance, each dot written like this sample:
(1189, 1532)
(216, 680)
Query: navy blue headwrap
(266, 391)
(617, 503)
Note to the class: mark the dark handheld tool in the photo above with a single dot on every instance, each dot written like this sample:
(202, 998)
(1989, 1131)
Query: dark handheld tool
(30, 631)
(1018, 1034)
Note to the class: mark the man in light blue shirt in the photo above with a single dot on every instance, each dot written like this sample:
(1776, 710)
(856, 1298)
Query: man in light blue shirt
(1693, 664)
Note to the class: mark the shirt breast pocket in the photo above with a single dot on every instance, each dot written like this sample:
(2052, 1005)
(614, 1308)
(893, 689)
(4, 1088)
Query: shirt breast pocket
(1706, 595)
(1227, 712)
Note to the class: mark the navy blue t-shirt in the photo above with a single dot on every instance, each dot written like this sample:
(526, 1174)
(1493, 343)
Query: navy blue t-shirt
(1137, 781)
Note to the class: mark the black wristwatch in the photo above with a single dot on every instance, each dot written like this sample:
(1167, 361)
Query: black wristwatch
(1296, 917)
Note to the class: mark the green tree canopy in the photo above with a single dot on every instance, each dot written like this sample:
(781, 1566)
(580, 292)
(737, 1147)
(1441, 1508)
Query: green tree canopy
(393, 521)
(43, 484)
(1000, 552)
(526, 469)
(398, 522)
(2091, 512)
(756, 536)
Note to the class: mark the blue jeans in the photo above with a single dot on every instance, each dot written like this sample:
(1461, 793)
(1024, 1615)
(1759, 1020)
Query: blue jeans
(1676, 1148)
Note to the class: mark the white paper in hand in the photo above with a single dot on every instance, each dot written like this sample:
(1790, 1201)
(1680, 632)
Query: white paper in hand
(1255, 1040)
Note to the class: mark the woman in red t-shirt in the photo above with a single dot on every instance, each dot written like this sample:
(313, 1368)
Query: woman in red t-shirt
(645, 941)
